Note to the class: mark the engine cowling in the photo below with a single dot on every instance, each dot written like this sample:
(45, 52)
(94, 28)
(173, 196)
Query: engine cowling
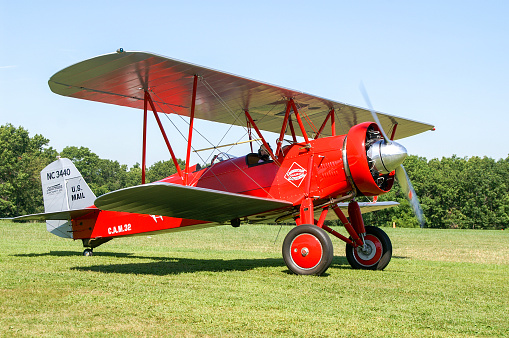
(370, 160)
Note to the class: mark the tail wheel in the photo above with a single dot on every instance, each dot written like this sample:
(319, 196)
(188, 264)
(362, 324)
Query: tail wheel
(375, 255)
(88, 252)
(307, 250)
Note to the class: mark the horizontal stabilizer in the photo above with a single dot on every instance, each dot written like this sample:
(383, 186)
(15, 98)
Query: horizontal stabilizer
(187, 202)
(56, 215)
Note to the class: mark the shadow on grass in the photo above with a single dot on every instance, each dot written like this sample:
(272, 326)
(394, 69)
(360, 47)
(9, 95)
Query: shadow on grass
(337, 263)
(76, 253)
(340, 262)
(161, 266)
(174, 266)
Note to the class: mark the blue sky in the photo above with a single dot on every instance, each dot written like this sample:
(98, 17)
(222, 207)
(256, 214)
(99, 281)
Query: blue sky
(440, 62)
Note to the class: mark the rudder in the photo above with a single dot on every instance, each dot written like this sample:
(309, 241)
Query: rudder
(63, 188)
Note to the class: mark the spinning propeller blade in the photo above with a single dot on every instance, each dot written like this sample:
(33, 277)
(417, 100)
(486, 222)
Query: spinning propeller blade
(373, 112)
(401, 175)
(409, 192)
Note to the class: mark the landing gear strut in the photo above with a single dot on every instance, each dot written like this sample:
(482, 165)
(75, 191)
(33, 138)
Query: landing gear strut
(307, 249)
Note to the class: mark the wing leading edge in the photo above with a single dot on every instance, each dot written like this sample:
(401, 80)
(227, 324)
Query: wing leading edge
(122, 78)
(187, 202)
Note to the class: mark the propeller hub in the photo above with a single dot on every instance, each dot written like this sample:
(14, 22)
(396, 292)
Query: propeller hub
(386, 157)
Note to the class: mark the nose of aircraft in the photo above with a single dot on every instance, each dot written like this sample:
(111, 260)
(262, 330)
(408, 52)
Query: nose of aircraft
(386, 157)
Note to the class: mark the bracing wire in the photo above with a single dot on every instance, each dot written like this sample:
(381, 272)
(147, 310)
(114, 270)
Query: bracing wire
(247, 175)
(307, 118)
(281, 227)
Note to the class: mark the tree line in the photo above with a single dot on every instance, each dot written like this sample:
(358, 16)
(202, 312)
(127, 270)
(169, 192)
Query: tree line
(454, 192)
(23, 157)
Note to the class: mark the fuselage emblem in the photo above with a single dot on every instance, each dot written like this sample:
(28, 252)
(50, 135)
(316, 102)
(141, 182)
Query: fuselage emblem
(296, 174)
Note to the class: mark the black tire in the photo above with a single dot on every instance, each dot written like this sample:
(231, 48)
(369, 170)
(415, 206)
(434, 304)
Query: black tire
(88, 252)
(312, 250)
(377, 257)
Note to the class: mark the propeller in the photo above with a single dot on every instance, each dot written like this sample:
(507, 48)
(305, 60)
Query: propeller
(387, 156)
(409, 192)
(373, 112)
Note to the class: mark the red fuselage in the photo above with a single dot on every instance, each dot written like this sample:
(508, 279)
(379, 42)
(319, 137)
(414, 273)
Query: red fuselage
(316, 170)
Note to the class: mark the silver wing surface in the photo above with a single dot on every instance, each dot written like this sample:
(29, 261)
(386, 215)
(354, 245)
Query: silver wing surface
(122, 78)
(181, 201)
(56, 215)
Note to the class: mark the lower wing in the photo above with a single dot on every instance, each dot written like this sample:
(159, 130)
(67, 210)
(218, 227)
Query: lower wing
(187, 202)
(370, 206)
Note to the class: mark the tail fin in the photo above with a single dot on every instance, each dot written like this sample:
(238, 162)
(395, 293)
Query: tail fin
(63, 188)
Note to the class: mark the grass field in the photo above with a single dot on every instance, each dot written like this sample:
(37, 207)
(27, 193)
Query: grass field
(233, 282)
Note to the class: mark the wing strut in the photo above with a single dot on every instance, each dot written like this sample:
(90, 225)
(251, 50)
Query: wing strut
(299, 120)
(294, 136)
(154, 110)
(269, 150)
(290, 105)
(191, 121)
(287, 120)
(283, 128)
(332, 121)
(144, 147)
(394, 127)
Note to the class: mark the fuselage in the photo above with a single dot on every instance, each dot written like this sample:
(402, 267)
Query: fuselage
(324, 169)
(316, 171)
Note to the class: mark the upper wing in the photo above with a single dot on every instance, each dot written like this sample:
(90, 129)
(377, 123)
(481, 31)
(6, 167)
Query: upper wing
(180, 201)
(56, 215)
(121, 79)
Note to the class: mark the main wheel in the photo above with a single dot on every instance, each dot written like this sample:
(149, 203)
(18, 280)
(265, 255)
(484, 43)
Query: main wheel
(307, 250)
(377, 253)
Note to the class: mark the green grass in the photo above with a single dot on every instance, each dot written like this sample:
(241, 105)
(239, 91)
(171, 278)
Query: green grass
(233, 282)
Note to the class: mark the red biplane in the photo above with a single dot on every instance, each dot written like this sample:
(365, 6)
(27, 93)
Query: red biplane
(327, 154)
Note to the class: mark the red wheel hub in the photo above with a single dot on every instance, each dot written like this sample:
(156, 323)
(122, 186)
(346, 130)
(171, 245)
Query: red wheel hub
(372, 254)
(306, 251)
